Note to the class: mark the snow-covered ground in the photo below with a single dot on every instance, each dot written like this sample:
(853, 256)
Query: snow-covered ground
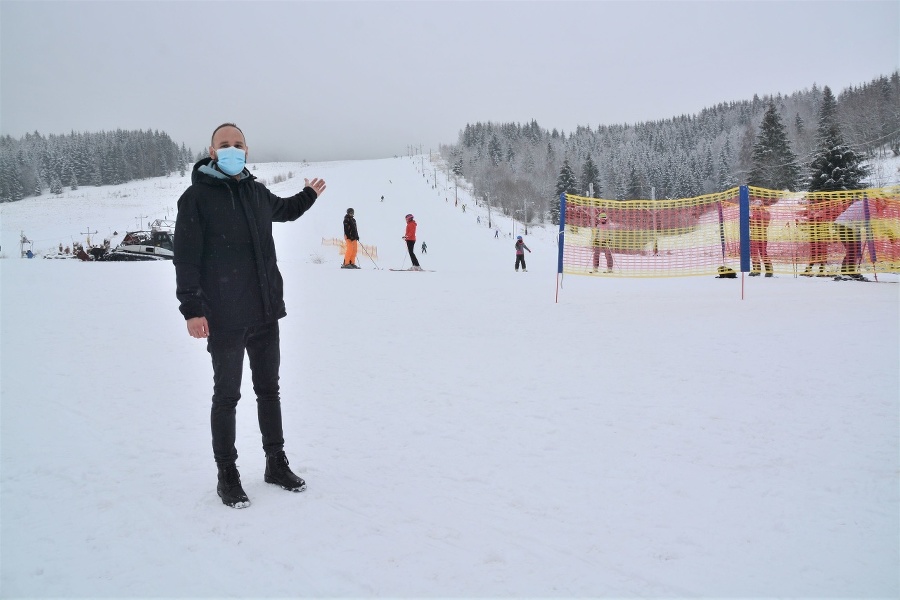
(461, 433)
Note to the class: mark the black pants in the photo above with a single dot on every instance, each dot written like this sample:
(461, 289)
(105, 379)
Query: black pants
(852, 241)
(520, 258)
(411, 246)
(227, 346)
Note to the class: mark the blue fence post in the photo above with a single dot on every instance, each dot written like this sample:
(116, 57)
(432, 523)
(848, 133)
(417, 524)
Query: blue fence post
(562, 231)
(744, 216)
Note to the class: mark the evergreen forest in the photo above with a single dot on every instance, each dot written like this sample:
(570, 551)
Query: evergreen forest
(36, 164)
(809, 140)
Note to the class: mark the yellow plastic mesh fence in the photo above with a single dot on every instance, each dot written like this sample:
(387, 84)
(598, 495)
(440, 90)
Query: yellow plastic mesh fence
(785, 232)
(370, 250)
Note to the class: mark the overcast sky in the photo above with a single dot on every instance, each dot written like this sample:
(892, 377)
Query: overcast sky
(354, 80)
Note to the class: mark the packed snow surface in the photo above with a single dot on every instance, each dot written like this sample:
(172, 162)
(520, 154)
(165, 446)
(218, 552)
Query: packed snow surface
(461, 432)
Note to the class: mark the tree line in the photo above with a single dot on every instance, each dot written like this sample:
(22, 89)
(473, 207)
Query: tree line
(34, 164)
(809, 140)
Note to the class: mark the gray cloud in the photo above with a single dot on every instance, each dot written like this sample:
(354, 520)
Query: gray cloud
(353, 80)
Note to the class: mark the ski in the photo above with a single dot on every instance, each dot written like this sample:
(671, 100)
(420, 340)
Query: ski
(860, 279)
(411, 271)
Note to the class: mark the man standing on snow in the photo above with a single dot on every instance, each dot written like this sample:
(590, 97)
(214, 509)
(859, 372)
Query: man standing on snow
(410, 237)
(230, 289)
(351, 239)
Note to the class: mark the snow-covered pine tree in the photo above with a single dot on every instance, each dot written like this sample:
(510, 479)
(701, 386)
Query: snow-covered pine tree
(495, 151)
(11, 188)
(458, 166)
(774, 163)
(836, 166)
(566, 182)
(590, 174)
(633, 190)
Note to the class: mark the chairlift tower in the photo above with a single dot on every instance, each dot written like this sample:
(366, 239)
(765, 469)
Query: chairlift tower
(88, 233)
(22, 242)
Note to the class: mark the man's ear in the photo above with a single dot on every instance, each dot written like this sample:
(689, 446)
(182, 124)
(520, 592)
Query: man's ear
(212, 152)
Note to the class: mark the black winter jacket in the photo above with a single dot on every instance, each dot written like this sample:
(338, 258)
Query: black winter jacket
(350, 228)
(225, 264)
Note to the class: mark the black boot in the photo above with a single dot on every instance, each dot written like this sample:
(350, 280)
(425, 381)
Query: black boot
(229, 488)
(278, 472)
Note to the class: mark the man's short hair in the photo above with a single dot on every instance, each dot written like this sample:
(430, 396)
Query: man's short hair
(211, 139)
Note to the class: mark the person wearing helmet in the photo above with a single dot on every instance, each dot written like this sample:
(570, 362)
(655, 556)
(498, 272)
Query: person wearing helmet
(410, 237)
(351, 241)
(600, 241)
(520, 253)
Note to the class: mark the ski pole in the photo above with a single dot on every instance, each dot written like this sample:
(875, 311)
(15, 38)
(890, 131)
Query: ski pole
(795, 237)
(369, 255)
(793, 247)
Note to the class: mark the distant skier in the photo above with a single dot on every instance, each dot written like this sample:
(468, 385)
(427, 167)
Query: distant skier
(351, 241)
(819, 231)
(410, 237)
(759, 228)
(600, 242)
(496, 233)
(424, 248)
(520, 254)
(849, 225)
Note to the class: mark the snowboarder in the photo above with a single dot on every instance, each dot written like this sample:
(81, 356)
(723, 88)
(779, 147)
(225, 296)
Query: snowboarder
(351, 241)
(410, 237)
(230, 293)
(600, 241)
(520, 254)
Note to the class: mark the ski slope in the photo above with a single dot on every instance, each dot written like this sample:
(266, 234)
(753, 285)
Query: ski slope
(460, 432)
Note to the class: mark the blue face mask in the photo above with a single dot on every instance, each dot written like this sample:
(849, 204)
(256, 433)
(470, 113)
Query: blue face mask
(230, 160)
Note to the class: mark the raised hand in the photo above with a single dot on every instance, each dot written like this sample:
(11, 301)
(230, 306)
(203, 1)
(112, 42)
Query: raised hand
(318, 185)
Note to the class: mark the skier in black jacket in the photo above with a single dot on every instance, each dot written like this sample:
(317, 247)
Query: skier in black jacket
(230, 290)
(351, 240)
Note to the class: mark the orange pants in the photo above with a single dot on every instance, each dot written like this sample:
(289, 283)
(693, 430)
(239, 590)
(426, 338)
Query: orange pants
(350, 252)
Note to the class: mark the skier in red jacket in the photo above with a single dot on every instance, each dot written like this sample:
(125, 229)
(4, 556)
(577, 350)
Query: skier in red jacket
(410, 237)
